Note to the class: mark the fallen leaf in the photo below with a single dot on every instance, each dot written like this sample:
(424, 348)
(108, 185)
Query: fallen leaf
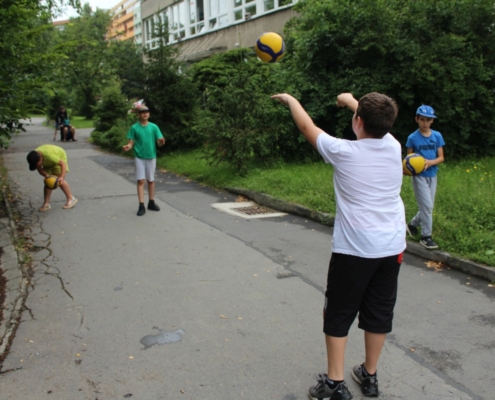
(239, 318)
(224, 317)
(437, 266)
(241, 199)
(468, 283)
(131, 357)
(182, 391)
(78, 355)
(412, 349)
(439, 302)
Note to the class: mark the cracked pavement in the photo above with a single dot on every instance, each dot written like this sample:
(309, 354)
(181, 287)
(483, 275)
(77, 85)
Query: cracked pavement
(248, 296)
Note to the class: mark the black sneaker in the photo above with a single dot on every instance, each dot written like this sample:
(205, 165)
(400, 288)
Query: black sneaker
(321, 391)
(428, 242)
(411, 230)
(152, 206)
(141, 210)
(369, 384)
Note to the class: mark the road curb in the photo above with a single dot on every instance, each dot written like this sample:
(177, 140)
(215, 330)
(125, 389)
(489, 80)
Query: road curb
(16, 286)
(466, 266)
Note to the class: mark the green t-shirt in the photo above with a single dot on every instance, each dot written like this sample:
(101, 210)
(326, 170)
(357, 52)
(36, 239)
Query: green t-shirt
(52, 155)
(144, 138)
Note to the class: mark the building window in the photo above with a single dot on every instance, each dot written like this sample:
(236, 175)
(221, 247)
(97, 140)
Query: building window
(189, 18)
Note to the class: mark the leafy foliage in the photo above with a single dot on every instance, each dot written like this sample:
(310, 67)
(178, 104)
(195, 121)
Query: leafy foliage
(240, 122)
(25, 55)
(112, 107)
(126, 59)
(169, 93)
(87, 67)
(115, 137)
(440, 53)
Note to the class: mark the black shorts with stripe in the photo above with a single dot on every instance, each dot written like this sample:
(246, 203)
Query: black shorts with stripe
(367, 286)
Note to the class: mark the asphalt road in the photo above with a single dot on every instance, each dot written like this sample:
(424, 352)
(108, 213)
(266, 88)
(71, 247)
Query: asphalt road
(194, 303)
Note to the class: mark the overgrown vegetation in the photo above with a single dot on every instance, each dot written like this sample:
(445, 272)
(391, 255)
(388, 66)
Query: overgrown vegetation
(440, 53)
(239, 121)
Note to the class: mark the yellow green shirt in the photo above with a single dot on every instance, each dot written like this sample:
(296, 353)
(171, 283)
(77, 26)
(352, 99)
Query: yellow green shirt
(52, 155)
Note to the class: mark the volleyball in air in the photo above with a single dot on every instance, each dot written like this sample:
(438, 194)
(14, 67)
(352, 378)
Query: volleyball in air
(270, 47)
(413, 164)
(51, 182)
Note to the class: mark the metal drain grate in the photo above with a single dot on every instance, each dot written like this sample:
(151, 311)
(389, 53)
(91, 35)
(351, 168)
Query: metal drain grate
(254, 210)
(247, 210)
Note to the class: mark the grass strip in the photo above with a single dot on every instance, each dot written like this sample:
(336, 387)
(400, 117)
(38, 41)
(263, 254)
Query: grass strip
(464, 212)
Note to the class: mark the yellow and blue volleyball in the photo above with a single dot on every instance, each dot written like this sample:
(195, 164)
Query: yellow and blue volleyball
(413, 164)
(51, 182)
(270, 47)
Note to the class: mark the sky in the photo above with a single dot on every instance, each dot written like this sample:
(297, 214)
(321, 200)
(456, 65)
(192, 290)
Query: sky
(102, 4)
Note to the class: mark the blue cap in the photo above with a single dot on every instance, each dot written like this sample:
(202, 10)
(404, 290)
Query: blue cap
(426, 111)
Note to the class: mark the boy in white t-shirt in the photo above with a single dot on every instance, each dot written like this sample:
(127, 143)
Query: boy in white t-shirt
(369, 235)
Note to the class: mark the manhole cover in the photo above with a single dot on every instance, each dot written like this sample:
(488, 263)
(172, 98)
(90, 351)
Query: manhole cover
(254, 210)
(247, 210)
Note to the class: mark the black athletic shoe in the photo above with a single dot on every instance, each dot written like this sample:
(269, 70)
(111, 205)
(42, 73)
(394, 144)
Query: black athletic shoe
(428, 242)
(141, 210)
(321, 391)
(411, 230)
(152, 206)
(369, 384)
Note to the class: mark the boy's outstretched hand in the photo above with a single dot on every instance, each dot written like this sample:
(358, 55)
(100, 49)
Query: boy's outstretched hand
(347, 100)
(161, 141)
(126, 147)
(284, 98)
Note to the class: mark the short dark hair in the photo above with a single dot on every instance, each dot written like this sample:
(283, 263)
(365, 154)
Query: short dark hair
(378, 112)
(33, 158)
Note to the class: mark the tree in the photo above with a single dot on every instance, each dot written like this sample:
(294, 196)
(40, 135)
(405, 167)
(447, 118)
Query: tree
(126, 59)
(240, 122)
(440, 53)
(169, 93)
(87, 68)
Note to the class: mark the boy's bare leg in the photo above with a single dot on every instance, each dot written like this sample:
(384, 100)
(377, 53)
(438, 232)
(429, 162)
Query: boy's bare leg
(140, 190)
(47, 193)
(151, 190)
(66, 189)
(335, 356)
(373, 343)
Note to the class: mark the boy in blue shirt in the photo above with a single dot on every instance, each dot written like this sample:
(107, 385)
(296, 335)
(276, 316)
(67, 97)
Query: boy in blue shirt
(429, 144)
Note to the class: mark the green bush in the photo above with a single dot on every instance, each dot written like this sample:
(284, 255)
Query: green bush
(440, 53)
(169, 93)
(112, 107)
(115, 137)
(240, 122)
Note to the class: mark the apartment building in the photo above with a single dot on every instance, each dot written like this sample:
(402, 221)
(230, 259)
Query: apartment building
(122, 27)
(207, 27)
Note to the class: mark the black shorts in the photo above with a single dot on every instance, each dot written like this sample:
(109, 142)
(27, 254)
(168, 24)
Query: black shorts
(364, 285)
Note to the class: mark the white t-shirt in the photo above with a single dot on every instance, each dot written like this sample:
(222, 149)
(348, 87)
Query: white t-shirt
(370, 219)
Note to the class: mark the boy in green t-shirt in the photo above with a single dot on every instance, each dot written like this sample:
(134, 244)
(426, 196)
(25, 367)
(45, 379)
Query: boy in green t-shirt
(143, 137)
(49, 160)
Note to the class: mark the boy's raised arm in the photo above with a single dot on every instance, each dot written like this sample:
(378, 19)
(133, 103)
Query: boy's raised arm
(301, 117)
(347, 100)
